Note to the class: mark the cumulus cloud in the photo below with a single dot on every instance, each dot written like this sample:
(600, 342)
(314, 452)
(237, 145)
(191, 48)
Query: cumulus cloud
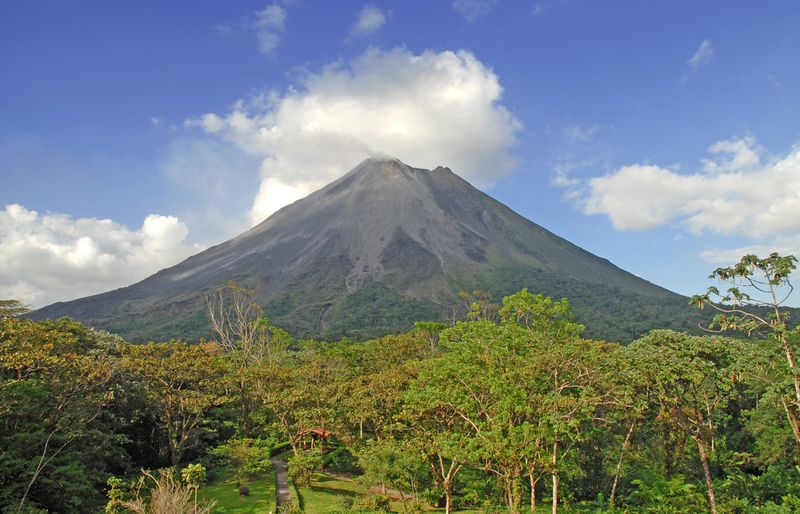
(54, 257)
(471, 10)
(370, 19)
(703, 55)
(738, 192)
(428, 109)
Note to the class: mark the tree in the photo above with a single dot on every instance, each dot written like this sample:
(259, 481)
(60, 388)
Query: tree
(12, 308)
(481, 379)
(182, 383)
(440, 435)
(430, 330)
(246, 456)
(521, 386)
(392, 463)
(694, 377)
(568, 376)
(251, 343)
(754, 305)
(193, 476)
(302, 467)
(54, 384)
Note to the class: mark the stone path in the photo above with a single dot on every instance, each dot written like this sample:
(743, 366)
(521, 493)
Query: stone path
(282, 479)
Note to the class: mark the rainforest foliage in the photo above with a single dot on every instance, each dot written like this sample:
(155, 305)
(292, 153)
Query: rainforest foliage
(508, 407)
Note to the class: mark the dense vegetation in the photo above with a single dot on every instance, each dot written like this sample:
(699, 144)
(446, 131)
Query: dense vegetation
(509, 407)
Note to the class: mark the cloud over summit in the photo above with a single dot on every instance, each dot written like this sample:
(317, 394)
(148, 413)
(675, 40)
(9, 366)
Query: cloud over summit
(426, 109)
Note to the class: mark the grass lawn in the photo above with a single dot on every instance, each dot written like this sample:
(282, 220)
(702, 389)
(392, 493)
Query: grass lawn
(326, 494)
(224, 490)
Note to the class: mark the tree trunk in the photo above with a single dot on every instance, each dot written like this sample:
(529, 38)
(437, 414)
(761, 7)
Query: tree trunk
(41, 465)
(619, 465)
(533, 481)
(712, 495)
(175, 453)
(448, 495)
(513, 492)
(792, 420)
(555, 478)
(791, 410)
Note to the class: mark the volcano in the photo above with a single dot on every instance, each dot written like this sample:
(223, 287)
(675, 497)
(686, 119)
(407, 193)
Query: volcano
(376, 250)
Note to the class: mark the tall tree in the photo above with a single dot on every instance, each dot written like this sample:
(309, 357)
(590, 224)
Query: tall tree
(754, 304)
(694, 379)
(440, 434)
(251, 342)
(519, 386)
(54, 384)
(569, 378)
(182, 383)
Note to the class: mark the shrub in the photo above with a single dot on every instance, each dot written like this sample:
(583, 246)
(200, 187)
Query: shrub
(341, 460)
(289, 507)
(372, 503)
(302, 468)
(163, 493)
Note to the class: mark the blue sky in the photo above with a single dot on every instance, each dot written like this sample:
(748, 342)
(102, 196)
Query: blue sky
(660, 135)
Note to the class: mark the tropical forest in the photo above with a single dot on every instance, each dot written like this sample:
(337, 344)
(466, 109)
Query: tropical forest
(505, 408)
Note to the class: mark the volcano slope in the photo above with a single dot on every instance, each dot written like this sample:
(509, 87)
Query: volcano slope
(378, 249)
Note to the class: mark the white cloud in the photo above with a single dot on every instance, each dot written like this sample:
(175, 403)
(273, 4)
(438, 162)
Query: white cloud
(428, 109)
(471, 10)
(54, 257)
(370, 19)
(737, 193)
(269, 25)
(726, 256)
(703, 55)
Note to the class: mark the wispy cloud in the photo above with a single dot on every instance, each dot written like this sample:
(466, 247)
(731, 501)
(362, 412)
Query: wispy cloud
(471, 10)
(268, 25)
(369, 20)
(582, 133)
(703, 55)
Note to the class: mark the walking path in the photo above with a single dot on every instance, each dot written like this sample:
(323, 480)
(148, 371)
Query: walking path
(282, 480)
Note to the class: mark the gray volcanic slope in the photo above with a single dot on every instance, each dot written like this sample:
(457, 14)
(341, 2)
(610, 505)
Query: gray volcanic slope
(374, 251)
